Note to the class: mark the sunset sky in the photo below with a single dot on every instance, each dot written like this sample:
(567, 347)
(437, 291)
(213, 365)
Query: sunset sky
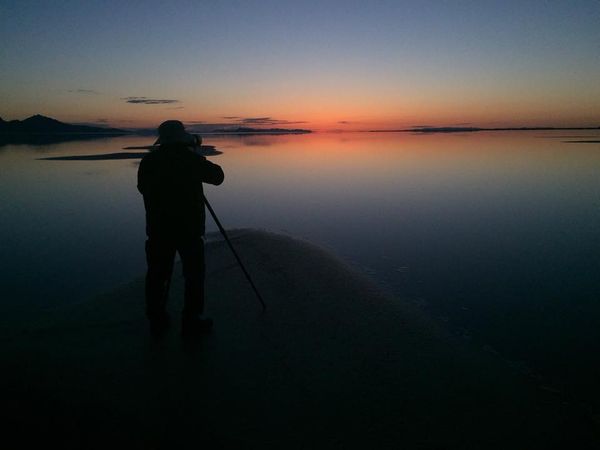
(319, 65)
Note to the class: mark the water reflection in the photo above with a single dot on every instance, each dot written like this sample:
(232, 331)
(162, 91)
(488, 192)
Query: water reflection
(496, 234)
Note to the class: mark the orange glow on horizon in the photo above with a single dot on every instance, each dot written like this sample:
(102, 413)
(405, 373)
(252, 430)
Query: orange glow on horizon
(350, 114)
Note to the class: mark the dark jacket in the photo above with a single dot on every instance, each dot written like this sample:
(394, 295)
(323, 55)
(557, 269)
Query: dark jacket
(170, 179)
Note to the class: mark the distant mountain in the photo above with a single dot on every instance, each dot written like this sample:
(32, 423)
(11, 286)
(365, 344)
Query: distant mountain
(247, 130)
(39, 124)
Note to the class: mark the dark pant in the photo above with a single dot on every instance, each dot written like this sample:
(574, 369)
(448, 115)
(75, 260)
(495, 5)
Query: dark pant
(160, 256)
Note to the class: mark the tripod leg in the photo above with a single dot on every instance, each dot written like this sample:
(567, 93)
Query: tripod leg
(224, 233)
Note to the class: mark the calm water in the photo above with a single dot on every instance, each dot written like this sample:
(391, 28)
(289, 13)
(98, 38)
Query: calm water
(496, 235)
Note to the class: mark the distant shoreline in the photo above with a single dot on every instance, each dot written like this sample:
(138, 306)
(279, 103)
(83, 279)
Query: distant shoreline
(476, 129)
(252, 133)
(39, 126)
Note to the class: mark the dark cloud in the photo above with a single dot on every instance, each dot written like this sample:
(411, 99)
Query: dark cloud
(197, 122)
(148, 101)
(101, 120)
(346, 122)
(230, 117)
(83, 91)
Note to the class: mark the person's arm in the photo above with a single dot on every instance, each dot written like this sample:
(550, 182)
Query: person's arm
(209, 172)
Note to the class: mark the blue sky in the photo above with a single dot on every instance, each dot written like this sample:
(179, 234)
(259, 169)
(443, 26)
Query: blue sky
(380, 62)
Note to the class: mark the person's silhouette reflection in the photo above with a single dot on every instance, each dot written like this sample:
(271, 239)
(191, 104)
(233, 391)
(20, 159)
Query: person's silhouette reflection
(170, 179)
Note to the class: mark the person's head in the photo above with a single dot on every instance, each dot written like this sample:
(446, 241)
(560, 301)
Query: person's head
(172, 132)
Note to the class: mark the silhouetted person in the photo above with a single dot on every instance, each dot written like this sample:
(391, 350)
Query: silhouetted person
(170, 179)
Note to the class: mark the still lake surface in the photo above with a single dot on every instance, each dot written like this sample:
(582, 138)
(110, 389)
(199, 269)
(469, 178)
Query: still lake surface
(495, 235)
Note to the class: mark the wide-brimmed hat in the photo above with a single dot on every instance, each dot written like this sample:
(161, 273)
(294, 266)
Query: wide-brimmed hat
(173, 132)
